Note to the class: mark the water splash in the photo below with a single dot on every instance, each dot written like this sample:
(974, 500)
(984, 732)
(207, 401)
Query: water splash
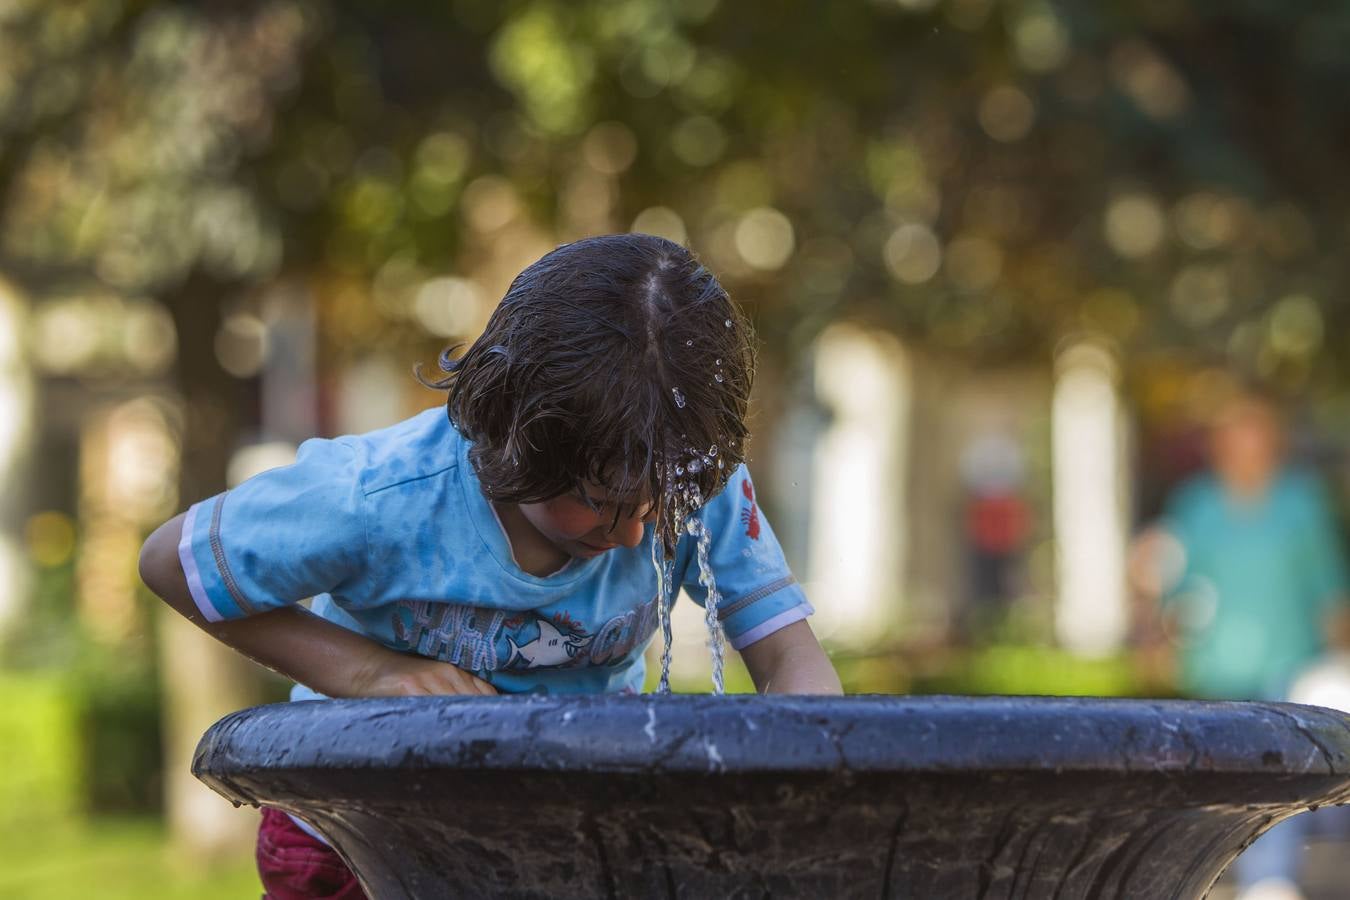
(679, 397)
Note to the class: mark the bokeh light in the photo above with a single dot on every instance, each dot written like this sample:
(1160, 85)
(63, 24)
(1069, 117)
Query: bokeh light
(241, 344)
(490, 203)
(1296, 326)
(661, 221)
(1150, 81)
(610, 148)
(449, 307)
(1134, 225)
(1200, 293)
(1006, 114)
(912, 253)
(50, 538)
(698, 141)
(765, 238)
(1041, 40)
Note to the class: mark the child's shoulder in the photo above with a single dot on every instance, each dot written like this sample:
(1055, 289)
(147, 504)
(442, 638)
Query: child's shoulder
(418, 447)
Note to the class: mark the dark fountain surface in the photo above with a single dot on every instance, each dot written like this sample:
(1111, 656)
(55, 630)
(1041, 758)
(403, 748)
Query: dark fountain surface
(698, 796)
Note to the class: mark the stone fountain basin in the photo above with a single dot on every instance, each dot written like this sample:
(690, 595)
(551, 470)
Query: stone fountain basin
(745, 796)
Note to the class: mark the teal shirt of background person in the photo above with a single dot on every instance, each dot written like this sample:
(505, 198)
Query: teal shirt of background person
(391, 534)
(1260, 579)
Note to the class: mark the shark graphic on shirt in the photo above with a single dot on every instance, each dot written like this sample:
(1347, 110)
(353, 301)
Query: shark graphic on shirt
(551, 648)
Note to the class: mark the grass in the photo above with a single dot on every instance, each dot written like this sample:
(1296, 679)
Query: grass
(39, 737)
(112, 859)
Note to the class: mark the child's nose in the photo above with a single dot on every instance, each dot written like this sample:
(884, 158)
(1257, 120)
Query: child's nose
(627, 531)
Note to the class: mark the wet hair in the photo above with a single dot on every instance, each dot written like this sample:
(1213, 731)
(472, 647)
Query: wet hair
(618, 360)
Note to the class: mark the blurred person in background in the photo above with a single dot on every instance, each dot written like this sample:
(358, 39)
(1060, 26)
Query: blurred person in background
(996, 527)
(1246, 568)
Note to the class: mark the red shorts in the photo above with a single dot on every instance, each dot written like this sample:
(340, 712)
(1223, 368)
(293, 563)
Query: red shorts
(296, 866)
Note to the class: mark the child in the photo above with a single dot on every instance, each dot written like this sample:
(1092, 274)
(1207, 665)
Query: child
(512, 546)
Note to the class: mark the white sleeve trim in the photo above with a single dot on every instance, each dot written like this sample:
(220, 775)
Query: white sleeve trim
(190, 571)
(772, 624)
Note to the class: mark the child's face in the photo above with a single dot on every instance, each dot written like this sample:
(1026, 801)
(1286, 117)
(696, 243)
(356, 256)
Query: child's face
(1245, 445)
(586, 526)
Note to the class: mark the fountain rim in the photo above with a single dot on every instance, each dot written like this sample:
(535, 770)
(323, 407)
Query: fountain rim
(652, 733)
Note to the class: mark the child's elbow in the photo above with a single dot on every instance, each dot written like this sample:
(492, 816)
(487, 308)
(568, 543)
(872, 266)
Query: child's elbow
(158, 563)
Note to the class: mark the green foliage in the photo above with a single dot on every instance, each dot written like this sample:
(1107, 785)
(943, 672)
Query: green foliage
(87, 740)
(42, 638)
(111, 859)
(735, 678)
(1027, 669)
(996, 669)
(981, 177)
(120, 743)
(999, 668)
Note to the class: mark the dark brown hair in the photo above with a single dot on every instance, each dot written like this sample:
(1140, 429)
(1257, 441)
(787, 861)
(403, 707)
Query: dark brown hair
(616, 359)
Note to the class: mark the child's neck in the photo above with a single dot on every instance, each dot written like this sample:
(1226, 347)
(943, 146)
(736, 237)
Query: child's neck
(532, 552)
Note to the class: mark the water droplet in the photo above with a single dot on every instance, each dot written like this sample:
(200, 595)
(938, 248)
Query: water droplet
(679, 470)
(689, 343)
(712, 451)
(719, 464)
(695, 467)
(718, 378)
(719, 362)
(727, 323)
(679, 398)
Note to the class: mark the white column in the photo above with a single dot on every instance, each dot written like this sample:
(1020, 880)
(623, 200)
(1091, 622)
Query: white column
(858, 535)
(16, 413)
(1089, 501)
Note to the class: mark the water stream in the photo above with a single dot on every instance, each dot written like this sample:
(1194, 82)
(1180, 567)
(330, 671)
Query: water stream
(665, 594)
(683, 501)
(698, 530)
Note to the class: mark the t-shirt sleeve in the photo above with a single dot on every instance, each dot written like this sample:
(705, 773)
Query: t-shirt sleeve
(759, 595)
(284, 535)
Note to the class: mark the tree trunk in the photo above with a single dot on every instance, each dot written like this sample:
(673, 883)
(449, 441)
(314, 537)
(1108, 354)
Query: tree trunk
(203, 680)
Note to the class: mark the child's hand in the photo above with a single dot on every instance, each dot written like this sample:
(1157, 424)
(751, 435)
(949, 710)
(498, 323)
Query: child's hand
(401, 675)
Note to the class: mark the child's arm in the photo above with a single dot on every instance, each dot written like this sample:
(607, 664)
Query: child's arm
(791, 661)
(300, 645)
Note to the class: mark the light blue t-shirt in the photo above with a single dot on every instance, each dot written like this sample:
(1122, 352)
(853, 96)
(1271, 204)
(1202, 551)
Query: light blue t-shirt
(391, 534)
(1260, 579)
